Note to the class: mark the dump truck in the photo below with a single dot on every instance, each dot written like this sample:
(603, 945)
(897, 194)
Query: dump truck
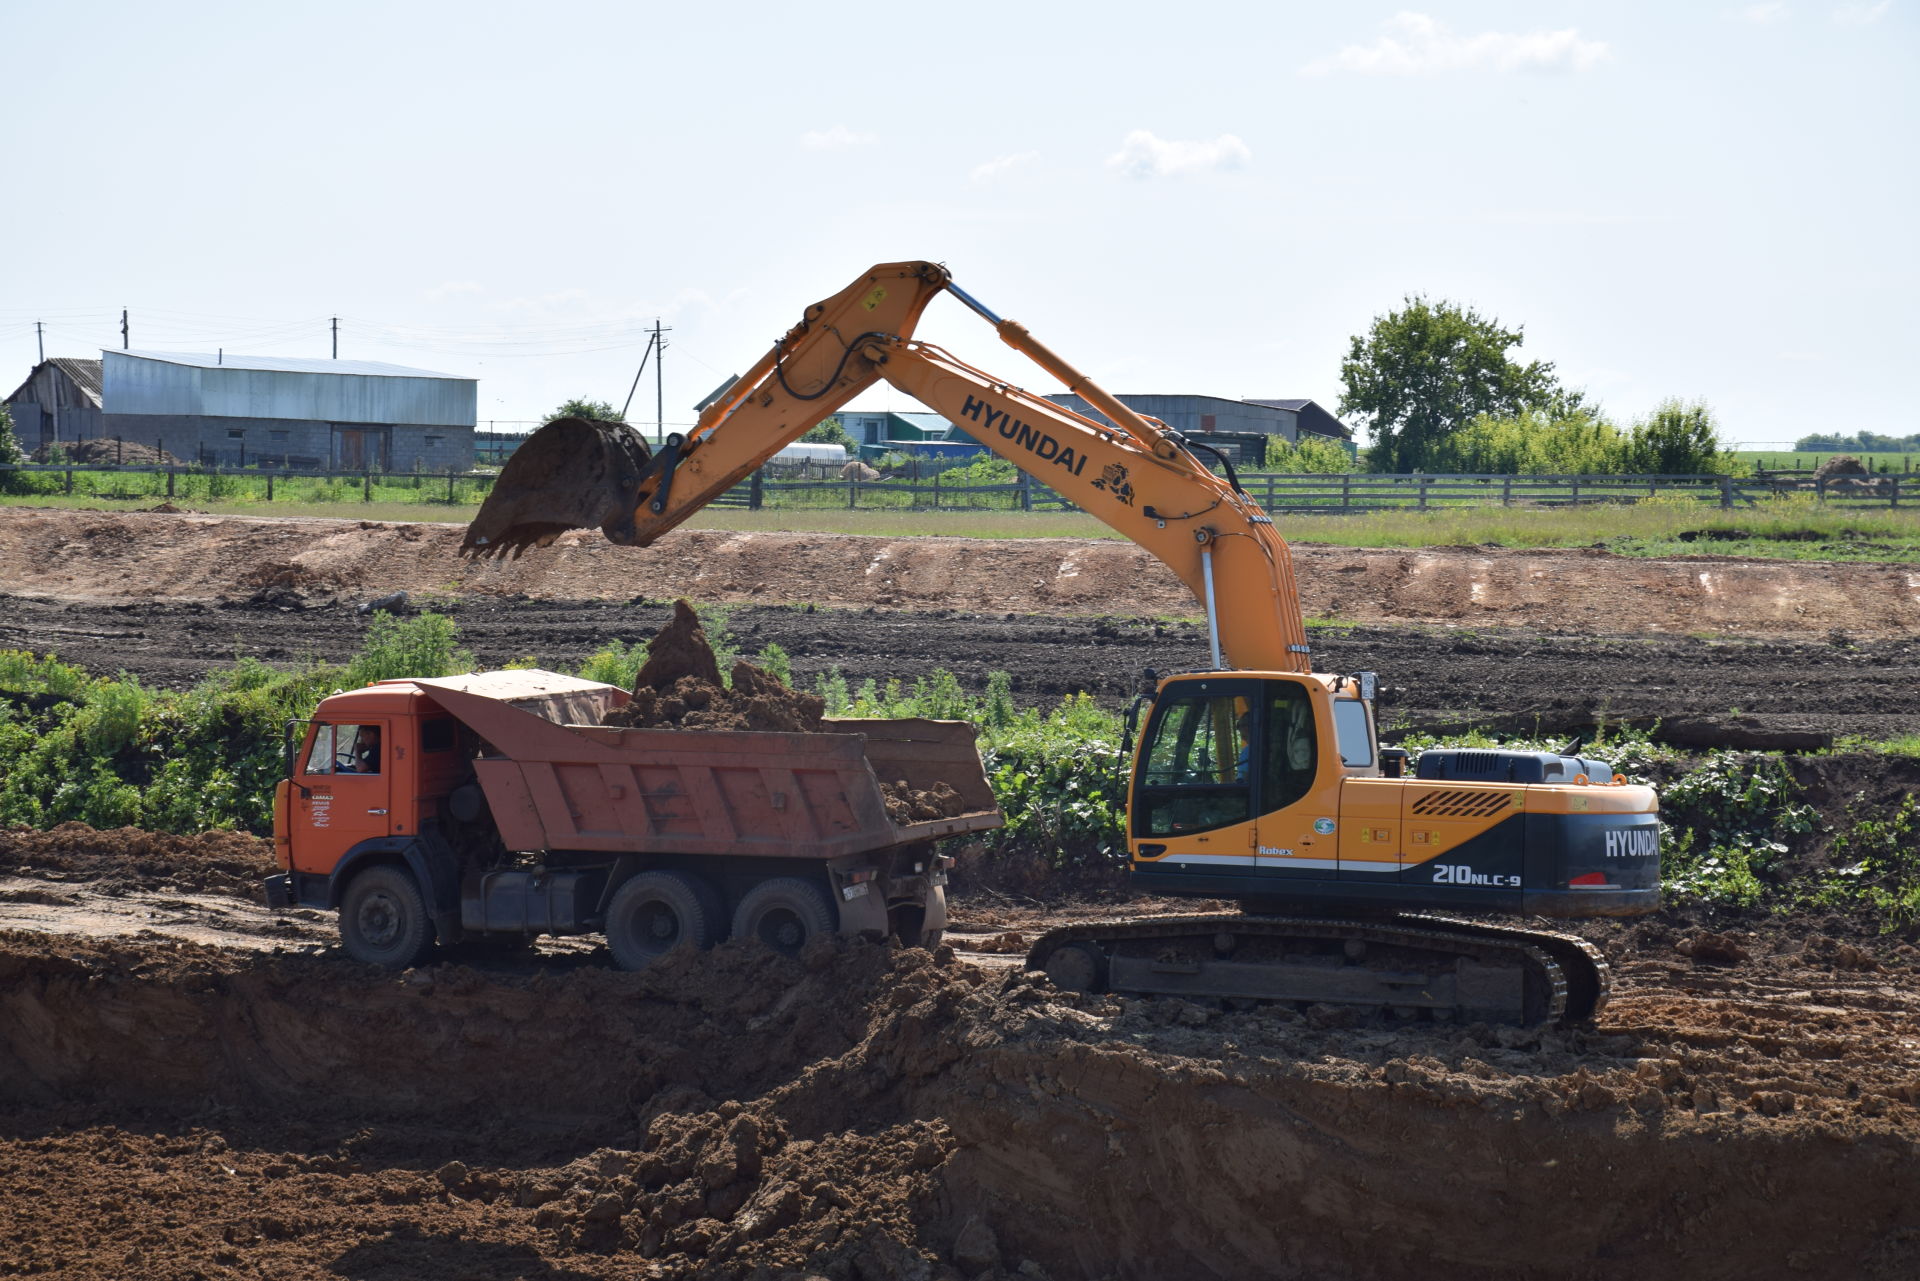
(497, 807)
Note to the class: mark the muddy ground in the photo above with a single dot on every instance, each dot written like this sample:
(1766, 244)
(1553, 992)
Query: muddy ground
(253, 1105)
(1436, 676)
(191, 1087)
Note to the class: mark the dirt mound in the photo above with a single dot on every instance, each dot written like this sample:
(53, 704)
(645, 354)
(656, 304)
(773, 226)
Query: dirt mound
(1841, 465)
(906, 804)
(679, 687)
(126, 857)
(104, 452)
(68, 555)
(869, 1113)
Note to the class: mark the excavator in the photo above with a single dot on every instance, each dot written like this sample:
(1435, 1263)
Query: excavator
(1256, 779)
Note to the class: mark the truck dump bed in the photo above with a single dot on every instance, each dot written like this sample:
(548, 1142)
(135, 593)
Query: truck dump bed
(721, 792)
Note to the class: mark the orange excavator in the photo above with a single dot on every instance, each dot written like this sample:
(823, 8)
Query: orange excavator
(1256, 779)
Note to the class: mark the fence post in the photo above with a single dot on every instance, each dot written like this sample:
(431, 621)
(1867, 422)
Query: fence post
(1576, 491)
(366, 486)
(1726, 493)
(1506, 492)
(936, 489)
(69, 480)
(1423, 493)
(1893, 490)
(269, 486)
(1026, 492)
(756, 495)
(1346, 498)
(169, 480)
(449, 486)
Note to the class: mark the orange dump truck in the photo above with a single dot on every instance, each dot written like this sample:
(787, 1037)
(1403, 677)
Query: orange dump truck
(497, 807)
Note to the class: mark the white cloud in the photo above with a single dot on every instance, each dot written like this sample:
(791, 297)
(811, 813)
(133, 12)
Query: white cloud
(835, 139)
(1861, 15)
(1764, 14)
(1144, 155)
(1414, 44)
(1002, 164)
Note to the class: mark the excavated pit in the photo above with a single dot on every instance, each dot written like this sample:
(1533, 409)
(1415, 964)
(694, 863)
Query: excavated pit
(873, 1113)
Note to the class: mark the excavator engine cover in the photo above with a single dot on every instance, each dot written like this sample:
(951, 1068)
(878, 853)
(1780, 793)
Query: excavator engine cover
(573, 473)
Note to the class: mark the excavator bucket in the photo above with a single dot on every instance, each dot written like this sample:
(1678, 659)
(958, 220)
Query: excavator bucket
(573, 473)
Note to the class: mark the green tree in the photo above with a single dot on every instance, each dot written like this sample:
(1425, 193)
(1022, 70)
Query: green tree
(830, 432)
(1429, 369)
(1678, 438)
(10, 451)
(578, 407)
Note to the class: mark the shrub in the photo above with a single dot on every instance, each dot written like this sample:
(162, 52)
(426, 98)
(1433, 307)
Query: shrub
(397, 647)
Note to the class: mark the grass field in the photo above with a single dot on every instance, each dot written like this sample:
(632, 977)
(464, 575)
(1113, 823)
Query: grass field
(1787, 460)
(1791, 527)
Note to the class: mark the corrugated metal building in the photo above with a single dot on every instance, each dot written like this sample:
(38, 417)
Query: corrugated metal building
(60, 400)
(345, 414)
(235, 410)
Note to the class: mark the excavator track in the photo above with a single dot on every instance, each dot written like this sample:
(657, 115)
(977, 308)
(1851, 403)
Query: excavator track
(1409, 965)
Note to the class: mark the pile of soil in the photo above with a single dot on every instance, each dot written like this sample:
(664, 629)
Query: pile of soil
(107, 453)
(128, 858)
(907, 804)
(679, 687)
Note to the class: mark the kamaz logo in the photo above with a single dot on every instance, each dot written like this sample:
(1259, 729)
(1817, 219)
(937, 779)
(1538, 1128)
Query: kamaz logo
(1634, 842)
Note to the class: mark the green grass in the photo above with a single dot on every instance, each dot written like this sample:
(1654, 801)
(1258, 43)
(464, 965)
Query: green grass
(1788, 527)
(1786, 460)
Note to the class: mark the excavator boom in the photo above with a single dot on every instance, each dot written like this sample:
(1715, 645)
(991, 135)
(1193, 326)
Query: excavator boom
(1131, 472)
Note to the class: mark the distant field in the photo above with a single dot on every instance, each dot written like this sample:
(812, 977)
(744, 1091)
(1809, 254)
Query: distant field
(1790, 528)
(1774, 459)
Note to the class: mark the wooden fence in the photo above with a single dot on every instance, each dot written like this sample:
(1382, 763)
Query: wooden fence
(1278, 493)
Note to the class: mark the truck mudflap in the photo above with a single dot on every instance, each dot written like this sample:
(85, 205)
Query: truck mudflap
(1405, 965)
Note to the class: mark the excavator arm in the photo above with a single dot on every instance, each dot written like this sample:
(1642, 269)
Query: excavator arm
(1148, 483)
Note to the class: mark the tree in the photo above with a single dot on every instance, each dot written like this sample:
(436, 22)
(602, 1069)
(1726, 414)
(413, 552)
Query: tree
(1677, 439)
(1432, 367)
(598, 410)
(10, 451)
(830, 432)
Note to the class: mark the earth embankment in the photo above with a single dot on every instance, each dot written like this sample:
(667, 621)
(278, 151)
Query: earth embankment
(137, 556)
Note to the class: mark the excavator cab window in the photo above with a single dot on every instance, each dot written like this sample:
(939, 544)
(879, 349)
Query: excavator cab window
(1197, 768)
(1219, 752)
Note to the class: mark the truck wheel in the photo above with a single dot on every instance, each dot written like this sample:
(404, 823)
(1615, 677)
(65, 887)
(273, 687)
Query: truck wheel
(383, 919)
(655, 912)
(784, 913)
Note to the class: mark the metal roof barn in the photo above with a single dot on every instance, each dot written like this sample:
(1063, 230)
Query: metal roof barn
(274, 387)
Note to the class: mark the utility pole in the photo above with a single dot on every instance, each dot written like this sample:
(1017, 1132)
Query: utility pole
(636, 379)
(336, 337)
(659, 387)
(123, 329)
(40, 336)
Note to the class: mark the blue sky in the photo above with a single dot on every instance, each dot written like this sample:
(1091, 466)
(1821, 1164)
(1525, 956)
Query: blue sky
(1697, 200)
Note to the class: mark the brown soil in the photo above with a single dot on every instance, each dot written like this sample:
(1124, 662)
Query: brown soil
(871, 1113)
(679, 687)
(78, 555)
(1750, 1095)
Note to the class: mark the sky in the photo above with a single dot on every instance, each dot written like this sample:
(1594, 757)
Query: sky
(1706, 201)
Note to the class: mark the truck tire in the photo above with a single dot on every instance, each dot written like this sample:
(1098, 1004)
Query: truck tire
(383, 919)
(655, 912)
(784, 913)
